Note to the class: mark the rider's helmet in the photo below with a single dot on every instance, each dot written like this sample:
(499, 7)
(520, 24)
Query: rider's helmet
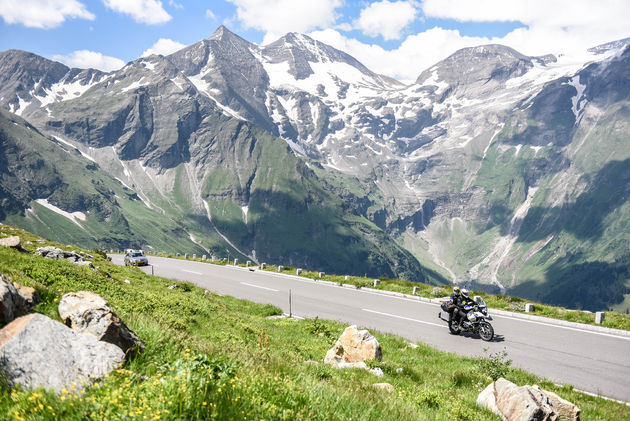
(465, 293)
(456, 291)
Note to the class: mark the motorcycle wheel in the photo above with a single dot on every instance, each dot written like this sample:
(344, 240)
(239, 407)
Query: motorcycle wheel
(454, 328)
(486, 331)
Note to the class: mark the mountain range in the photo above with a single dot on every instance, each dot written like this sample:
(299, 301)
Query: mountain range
(495, 170)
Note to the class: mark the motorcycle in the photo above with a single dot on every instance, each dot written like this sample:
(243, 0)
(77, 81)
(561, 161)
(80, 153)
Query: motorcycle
(475, 320)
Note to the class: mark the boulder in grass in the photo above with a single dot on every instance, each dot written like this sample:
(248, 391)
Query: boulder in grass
(566, 410)
(15, 300)
(352, 348)
(12, 242)
(87, 312)
(36, 351)
(7, 300)
(55, 253)
(27, 298)
(512, 403)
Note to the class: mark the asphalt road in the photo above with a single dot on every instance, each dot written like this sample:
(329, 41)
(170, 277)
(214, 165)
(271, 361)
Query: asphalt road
(594, 362)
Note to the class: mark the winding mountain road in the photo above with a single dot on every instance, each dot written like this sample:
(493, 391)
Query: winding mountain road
(592, 361)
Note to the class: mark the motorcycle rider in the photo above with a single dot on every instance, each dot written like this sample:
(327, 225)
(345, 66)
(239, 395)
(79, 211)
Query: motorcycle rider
(464, 299)
(456, 299)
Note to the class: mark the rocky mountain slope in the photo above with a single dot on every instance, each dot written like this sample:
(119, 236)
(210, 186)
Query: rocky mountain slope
(495, 169)
(218, 184)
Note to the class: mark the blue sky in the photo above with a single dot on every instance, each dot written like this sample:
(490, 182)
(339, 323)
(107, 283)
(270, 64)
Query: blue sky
(397, 38)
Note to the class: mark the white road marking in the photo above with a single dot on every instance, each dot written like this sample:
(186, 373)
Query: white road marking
(192, 271)
(401, 317)
(257, 286)
(595, 395)
(562, 327)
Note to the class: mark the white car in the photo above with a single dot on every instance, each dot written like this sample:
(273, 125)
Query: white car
(136, 258)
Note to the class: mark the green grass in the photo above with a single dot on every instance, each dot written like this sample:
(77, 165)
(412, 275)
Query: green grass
(212, 357)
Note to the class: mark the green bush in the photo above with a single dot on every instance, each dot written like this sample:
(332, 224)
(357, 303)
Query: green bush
(495, 365)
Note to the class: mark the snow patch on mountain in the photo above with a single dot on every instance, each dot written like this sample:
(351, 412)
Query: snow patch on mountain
(65, 142)
(578, 100)
(149, 65)
(135, 85)
(179, 81)
(72, 216)
(434, 80)
(65, 90)
(22, 105)
(204, 88)
(245, 210)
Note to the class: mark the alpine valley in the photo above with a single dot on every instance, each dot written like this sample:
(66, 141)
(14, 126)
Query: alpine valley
(495, 170)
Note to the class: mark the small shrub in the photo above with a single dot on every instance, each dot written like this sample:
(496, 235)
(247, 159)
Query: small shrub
(459, 411)
(429, 398)
(263, 340)
(185, 286)
(495, 365)
(374, 364)
(317, 327)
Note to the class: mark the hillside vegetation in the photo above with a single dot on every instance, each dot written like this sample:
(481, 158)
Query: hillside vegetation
(212, 357)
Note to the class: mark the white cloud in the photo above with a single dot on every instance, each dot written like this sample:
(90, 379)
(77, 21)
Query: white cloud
(43, 14)
(210, 14)
(84, 59)
(282, 16)
(144, 11)
(163, 46)
(538, 12)
(551, 25)
(386, 18)
(176, 5)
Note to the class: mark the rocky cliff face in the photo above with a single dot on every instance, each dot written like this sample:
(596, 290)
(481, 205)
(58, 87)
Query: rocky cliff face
(495, 169)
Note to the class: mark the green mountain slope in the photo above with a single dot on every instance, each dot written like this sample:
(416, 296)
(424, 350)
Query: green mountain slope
(36, 167)
(291, 218)
(572, 243)
(266, 199)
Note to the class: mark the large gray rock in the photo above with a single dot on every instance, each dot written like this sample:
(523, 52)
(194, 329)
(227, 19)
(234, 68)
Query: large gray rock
(566, 410)
(12, 242)
(514, 403)
(36, 351)
(51, 252)
(7, 300)
(87, 312)
(15, 299)
(27, 298)
(352, 348)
